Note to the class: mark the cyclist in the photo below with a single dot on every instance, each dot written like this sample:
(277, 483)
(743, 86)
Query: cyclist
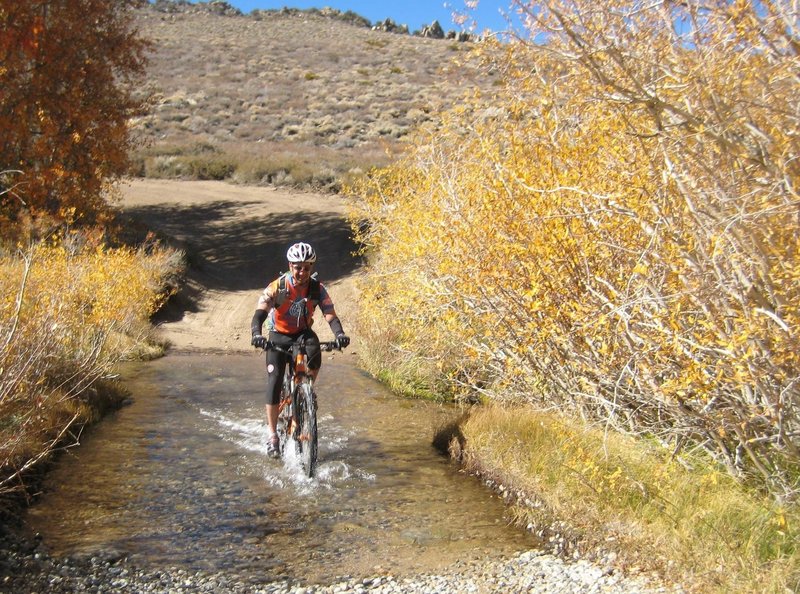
(289, 302)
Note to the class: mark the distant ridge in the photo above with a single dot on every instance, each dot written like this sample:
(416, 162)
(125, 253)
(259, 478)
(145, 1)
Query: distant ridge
(218, 7)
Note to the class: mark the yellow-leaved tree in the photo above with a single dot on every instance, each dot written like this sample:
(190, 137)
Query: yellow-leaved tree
(614, 232)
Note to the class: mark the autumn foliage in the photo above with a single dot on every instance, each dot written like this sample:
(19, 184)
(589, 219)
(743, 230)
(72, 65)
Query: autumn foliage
(70, 311)
(72, 307)
(615, 233)
(65, 101)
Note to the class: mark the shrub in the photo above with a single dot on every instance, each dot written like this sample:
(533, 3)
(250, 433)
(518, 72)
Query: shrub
(615, 233)
(70, 310)
(213, 167)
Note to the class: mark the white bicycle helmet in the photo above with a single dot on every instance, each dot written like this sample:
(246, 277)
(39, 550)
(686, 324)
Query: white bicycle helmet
(301, 252)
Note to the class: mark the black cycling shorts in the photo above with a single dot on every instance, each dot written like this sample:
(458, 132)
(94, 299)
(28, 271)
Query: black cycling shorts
(276, 361)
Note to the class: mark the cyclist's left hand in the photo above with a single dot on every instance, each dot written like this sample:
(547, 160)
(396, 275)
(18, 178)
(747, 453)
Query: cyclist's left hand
(342, 341)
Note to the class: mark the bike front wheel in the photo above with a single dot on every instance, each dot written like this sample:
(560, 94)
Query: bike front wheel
(306, 431)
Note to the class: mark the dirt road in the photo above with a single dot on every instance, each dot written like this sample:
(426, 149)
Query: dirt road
(236, 238)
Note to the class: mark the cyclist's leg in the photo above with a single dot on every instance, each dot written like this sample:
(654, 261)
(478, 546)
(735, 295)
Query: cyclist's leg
(313, 351)
(276, 364)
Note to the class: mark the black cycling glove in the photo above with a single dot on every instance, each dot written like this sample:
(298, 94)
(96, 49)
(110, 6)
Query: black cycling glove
(260, 342)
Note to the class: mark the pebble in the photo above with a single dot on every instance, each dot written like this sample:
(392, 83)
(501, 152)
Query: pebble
(24, 569)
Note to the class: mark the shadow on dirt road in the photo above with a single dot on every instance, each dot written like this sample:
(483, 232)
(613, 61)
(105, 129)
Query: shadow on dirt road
(231, 253)
(235, 239)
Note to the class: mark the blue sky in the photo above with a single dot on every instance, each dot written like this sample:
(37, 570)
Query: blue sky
(414, 13)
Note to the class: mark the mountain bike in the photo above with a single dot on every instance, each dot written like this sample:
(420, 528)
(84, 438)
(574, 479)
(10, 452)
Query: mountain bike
(297, 407)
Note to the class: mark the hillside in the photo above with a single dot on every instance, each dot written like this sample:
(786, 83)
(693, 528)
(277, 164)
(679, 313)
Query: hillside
(286, 97)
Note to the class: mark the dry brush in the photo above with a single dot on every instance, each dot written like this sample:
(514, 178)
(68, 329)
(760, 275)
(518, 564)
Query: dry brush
(71, 311)
(614, 233)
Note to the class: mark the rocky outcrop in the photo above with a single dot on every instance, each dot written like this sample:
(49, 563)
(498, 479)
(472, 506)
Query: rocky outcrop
(461, 36)
(214, 7)
(389, 26)
(221, 8)
(432, 31)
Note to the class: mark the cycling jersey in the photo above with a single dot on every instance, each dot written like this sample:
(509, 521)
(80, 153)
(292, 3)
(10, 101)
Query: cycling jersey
(292, 314)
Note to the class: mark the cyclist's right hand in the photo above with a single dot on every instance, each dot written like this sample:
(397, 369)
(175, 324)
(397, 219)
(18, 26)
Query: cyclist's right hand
(260, 342)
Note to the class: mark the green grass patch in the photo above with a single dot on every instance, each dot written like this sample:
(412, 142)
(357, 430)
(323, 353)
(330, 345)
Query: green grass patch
(690, 521)
(407, 384)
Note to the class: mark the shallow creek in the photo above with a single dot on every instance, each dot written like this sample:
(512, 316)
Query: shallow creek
(179, 478)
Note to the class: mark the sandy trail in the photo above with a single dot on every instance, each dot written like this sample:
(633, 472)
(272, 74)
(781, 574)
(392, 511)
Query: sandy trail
(236, 238)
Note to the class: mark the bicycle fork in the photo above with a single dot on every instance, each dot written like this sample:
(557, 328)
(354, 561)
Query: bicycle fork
(300, 376)
(299, 373)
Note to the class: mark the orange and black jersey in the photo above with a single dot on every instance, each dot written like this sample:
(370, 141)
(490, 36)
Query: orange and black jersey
(293, 312)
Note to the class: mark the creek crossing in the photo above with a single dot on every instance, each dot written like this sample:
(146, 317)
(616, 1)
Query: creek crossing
(179, 478)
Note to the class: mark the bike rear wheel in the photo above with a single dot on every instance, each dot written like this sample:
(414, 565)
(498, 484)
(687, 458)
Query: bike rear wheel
(306, 431)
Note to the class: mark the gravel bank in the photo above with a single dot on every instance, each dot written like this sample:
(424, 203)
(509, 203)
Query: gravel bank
(24, 568)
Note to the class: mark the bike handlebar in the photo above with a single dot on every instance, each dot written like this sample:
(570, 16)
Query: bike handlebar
(329, 345)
